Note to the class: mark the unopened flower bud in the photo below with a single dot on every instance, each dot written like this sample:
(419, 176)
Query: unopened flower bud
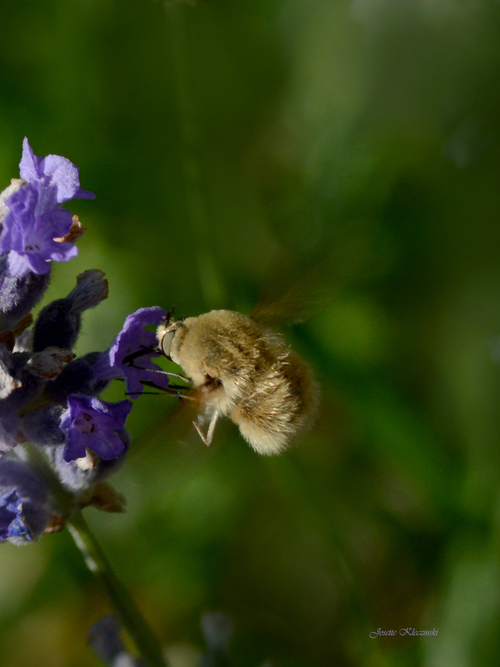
(23, 497)
(7, 382)
(78, 377)
(217, 629)
(49, 363)
(43, 426)
(59, 323)
(105, 640)
(91, 289)
(25, 387)
(18, 295)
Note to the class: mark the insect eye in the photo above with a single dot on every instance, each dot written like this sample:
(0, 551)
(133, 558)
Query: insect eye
(166, 343)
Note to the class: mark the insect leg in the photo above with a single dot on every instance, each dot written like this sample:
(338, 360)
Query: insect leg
(207, 439)
(175, 375)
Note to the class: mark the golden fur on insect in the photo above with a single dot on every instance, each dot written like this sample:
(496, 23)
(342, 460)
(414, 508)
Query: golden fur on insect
(245, 372)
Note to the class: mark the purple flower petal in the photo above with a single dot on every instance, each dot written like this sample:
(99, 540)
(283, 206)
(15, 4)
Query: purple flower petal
(29, 163)
(23, 497)
(90, 423)
(11, 519)
(121, 359)
(57, 177)
(35, 218)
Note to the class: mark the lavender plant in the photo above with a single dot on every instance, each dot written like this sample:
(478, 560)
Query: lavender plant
(59, 441)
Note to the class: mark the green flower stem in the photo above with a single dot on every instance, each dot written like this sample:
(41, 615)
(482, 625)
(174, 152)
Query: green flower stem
(134, 622)
(147, 643)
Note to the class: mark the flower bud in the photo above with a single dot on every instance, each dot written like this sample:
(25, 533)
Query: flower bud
(18, 295)
(90, 290)
(50, 362)
(43, 426)
(105, 640)
(217, 629)
(78, 377)
(7, 382)
(23, 498)
(59, 323)
(24, 387)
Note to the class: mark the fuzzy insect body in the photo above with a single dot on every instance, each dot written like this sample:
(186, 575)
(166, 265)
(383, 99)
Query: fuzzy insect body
(243, 371)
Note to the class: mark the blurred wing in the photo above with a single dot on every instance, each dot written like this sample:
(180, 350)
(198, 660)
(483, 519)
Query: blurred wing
(294, 292)
(311, 291)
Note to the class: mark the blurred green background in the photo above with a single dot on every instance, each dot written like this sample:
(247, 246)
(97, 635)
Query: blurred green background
(234, 148)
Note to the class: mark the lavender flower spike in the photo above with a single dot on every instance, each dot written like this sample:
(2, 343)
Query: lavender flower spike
(35, 228)
(90, 423)
(121, 359)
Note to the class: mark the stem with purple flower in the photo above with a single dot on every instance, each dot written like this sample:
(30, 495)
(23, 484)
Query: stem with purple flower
(132, 619)
(59, 441)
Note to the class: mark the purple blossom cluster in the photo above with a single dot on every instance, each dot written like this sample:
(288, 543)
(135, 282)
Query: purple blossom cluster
(48, 396)
(35, 229)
